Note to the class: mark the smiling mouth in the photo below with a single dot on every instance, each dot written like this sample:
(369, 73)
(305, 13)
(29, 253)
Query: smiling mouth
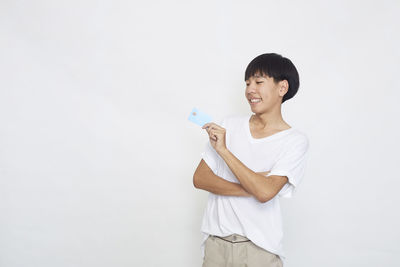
(254, 100)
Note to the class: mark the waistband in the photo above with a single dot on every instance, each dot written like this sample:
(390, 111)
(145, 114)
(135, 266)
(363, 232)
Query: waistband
(233, 238)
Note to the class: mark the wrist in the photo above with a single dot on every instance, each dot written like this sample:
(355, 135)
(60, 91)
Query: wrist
(223, 152)
(245, 193)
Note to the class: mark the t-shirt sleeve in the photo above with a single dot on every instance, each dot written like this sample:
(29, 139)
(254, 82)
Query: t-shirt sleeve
(292, 163)
(209, 154)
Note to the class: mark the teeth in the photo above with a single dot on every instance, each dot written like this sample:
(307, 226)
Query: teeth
(255, 100)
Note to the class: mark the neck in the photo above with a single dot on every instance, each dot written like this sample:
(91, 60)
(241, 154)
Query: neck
(269, 120)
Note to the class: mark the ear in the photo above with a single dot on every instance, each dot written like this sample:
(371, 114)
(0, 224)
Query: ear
(283, 87)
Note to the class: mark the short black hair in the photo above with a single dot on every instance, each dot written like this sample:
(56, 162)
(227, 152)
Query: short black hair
(279, 68)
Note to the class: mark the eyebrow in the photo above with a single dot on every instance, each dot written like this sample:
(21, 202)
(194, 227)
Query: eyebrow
(257, 76)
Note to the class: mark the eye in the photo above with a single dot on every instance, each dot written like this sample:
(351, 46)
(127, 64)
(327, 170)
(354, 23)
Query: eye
(247, 84)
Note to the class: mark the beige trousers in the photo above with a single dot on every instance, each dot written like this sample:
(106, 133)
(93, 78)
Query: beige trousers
(237, 251)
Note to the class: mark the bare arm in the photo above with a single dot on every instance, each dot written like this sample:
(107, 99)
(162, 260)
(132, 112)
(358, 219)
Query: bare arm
(254, 183)
(263, 189)
(204, 178)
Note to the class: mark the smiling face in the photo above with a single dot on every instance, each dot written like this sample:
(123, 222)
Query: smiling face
(263, 94)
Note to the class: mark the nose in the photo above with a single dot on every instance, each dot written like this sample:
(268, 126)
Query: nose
(251, 88)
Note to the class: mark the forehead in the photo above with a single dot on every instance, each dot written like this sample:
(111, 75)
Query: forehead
(258, 76)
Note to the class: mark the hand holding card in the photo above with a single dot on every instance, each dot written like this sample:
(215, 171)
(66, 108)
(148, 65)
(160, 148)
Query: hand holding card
(199, 117)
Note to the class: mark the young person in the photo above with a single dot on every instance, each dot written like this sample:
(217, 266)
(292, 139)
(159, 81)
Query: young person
(250, 162)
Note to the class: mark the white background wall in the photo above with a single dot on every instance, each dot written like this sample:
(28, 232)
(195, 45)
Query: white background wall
(97, 154)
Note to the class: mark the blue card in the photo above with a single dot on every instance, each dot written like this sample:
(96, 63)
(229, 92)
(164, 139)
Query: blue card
(199, 117)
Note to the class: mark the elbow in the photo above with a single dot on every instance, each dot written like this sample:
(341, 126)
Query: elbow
(195, 181)
(264, 197)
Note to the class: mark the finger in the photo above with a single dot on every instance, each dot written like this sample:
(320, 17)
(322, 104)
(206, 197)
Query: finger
(216, 132)
(216, 136)
(213, 125)
(208, 129)
(213, 136)
(205, 125)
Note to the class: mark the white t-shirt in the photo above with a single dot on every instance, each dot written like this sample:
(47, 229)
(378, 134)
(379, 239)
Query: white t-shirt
(283, 153)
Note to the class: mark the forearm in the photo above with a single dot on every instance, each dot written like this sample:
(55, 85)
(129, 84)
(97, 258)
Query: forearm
(220, 186)
(250, 181)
